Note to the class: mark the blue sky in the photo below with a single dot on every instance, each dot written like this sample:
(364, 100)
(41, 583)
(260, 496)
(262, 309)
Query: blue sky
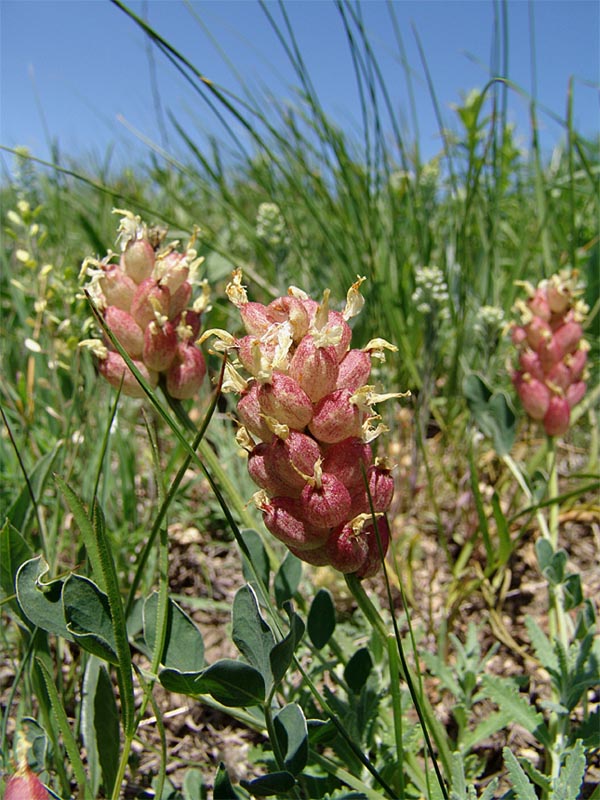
(70, 70)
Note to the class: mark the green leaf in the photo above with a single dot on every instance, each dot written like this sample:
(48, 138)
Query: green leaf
(193, 785)
(232, 683)
(521, 712)
(223, 788)
(251, 634)
(292, 735)
(184, 646)
(492, 412)
(573, 594)
(88, 618)
(22, 508)
(568, 782)
(259, 557)
(282, 653)
(543, 647)
(321, 619)
(521, 784)
(358, 669)
(273, 783)
(14, 551)
(287, 579)
(100, 726)
(180, 682)
(41, 602)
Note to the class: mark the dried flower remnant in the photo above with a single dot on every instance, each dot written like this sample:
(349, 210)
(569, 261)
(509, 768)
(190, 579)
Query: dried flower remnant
(144, 296)
(550, 375)
(307, 419)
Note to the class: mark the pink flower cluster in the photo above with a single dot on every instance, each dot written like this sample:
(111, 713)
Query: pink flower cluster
(307, 420)
(553, 353)
(145, 301)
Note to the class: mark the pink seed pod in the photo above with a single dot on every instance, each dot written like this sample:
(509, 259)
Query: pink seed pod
(137, 260)
(557, 417)
(347, 551)
(114, 369)
(564, 342)
(538, 304)
(126, 330)
(538, 331)
(518, 335)
(285, 400)
(174, 270)
(337, 318)
(186, 373)
(290, 309)
(255, 318)
(529, 361)
(190, 320)
(534, 395)
(251, 351)
(325, 503)
(559, 297)
(180, 299)
(160, 345)
(260, 469)
(347, 460)
(576, 363)
(336, 418)
(282, 517)
(381, 486)
(315, 368)
(251, 416)
(559, 376)
(317, 557)
(575, 393)
(150, 297)
(293, 459)
(354, 370)
(24, 785)
(117, 287)
(372, 563)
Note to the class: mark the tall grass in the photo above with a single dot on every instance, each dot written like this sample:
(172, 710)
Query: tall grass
(309, 204)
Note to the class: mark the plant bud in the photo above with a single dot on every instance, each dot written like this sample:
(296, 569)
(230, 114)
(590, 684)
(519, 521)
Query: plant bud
(529, 361)
(255, 318)
(538, 332)
(559, 376)
(346, 550)
(293, 459)
(336, 418)
(160, 346)
(149, 299)
(372, 563)
(286, 401)
(315, 368)
(186, 373)
(188, 324)
(348, 460)
(137, 260)
(180, 299)
(534, 395)
(126, 330)
(290, 309)
(354, 370)
(576, 363)
(539, 306)
(282, 517)
(260, 469)
(336, 318)
(317, 557)
(174, 270)
(575, 393)
(325, 503)
(115, 370)
(117, 287)
(251, 416)
(564, 341)
(557, 417)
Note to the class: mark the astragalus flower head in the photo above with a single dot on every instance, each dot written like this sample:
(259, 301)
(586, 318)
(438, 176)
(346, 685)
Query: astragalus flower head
(550, 375)
(145, 297)
(307, 418)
